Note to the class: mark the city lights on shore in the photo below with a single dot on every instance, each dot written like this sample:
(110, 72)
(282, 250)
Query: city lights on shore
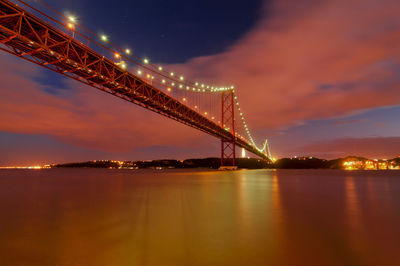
(367, 164)
(25, 167)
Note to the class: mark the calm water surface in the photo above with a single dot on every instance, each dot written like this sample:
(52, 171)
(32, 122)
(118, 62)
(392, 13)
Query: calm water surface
(145, 217)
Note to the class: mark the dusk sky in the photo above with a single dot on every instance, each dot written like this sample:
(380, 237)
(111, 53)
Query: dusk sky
(316, 77)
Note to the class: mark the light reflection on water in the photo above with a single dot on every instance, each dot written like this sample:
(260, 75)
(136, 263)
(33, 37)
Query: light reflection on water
(258, 217)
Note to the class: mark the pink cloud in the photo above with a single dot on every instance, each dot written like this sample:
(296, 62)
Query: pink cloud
(312, 60)
(379, 147)
(82, 115)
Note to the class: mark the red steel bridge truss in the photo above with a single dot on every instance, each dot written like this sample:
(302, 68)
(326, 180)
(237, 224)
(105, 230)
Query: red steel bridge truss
(31, 38)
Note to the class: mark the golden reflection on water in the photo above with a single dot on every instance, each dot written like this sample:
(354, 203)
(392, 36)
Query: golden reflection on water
(276, 198)
(355, 229)
(352, 203)
(263, 217)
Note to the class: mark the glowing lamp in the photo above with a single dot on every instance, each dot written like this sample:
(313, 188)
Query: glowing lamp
(72, 19)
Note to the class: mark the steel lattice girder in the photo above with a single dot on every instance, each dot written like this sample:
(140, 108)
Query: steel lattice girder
(28, 37)
(228, 150)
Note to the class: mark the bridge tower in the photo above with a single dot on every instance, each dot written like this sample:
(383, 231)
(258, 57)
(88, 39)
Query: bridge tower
(228, 123)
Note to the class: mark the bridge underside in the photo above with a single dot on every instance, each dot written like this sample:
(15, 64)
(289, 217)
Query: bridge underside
(28, 37)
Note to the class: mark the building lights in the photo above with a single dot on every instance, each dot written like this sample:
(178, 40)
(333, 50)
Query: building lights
(127, 51)
(146, 61)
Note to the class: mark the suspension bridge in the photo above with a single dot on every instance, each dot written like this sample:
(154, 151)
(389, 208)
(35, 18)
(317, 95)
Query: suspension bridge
(57, 42)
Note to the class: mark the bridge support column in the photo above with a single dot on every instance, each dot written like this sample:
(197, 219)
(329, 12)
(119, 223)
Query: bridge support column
(228, 154)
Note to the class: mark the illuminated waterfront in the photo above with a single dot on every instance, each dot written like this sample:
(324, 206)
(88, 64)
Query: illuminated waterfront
(180, 217)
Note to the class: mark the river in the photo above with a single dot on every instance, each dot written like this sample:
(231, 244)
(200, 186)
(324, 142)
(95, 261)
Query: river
(199, 217)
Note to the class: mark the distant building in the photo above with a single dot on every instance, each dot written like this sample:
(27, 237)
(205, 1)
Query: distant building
(354, 163)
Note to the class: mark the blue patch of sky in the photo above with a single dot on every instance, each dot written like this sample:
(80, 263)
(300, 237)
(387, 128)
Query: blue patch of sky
(51, 82)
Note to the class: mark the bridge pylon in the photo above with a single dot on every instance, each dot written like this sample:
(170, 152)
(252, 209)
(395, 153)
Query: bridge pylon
(228, 154)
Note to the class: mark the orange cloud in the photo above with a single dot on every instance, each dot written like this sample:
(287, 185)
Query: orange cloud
(312, 60)
(82, 115)
(379, 147)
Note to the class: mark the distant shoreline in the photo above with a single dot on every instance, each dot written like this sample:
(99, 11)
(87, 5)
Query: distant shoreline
(348, 163)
